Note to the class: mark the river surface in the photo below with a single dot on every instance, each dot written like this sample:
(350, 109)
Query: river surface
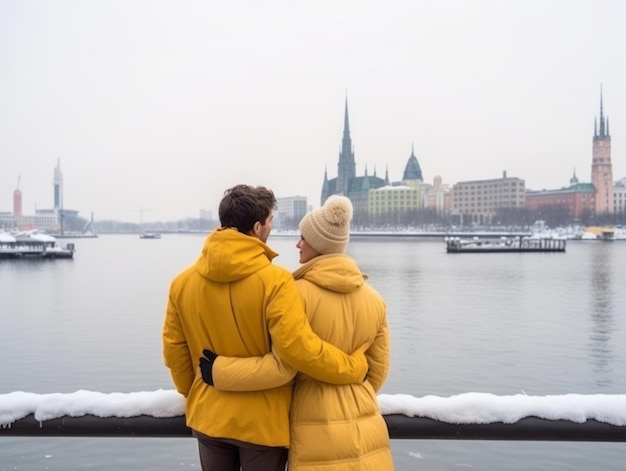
(537, 323)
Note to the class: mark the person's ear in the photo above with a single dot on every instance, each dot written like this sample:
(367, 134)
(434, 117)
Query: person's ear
(256, 229)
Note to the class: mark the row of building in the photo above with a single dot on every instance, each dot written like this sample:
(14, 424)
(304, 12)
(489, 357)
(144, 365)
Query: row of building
(468, 202)
(49, 219)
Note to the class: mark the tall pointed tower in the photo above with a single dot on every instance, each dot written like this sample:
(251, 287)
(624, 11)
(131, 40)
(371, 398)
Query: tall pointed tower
(601, 167)
(58, 186)
(17, 199)
(346, 167)
(347, 183)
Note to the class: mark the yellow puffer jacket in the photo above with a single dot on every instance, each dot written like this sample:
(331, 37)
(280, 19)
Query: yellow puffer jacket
(332, 427)
(235, 302)
(345, 311)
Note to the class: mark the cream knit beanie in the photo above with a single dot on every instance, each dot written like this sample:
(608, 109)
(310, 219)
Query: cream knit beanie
(327, 229)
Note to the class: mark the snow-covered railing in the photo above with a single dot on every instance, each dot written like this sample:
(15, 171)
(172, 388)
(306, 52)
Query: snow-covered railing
(469, 416)
(400, 427)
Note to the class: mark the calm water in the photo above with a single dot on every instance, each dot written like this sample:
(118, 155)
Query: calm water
(498, 323)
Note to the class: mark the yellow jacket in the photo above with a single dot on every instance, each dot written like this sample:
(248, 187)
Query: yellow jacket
(235, 302)
(333, 427)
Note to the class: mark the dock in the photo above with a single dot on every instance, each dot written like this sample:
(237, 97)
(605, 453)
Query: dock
(504, 244)
(32, 245)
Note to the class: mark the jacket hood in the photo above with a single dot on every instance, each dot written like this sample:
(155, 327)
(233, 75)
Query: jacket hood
(334, 272)
(228, 255)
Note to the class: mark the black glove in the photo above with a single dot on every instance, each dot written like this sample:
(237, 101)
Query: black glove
(206, 366)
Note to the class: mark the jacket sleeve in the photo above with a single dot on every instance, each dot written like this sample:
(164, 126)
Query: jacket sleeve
(176, 353)
(252, 373)
(378, 357)
(300, 347)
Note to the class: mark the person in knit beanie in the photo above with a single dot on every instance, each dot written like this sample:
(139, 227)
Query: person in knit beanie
(346, 311)
(327, 229)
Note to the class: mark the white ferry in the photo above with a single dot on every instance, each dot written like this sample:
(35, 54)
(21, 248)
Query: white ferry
(32, 244)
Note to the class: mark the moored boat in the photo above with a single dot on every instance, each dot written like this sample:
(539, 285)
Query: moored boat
(599, 233)
(150, 235)
(32, 244)
(504, 244)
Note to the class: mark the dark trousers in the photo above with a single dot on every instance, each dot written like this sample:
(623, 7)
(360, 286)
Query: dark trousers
(222, 454)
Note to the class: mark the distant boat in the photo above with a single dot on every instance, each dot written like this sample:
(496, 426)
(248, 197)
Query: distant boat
(150, 235)
(504, 244)
(32, 244)
(600, 233)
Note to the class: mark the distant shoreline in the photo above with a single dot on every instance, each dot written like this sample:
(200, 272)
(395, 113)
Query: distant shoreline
(410, 234)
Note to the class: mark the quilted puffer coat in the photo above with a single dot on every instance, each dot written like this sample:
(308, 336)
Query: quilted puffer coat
(340, 427)
(332, 427)
(235, 302)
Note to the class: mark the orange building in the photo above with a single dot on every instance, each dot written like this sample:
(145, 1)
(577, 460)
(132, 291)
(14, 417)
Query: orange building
(575, 200)
(601, 167)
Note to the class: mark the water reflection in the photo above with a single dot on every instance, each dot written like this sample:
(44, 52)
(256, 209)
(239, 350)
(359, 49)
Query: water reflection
(601, 309)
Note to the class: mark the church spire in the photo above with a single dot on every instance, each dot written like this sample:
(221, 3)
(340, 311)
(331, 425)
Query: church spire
(346, 122)
(346, 168)
(601, 126)
(601, 114)
(601, 167)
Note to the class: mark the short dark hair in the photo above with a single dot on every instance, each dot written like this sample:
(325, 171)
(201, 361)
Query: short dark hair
(243, 205)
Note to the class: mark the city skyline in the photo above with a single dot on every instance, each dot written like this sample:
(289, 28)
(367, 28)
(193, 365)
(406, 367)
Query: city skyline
(184, 101)
(58, 190)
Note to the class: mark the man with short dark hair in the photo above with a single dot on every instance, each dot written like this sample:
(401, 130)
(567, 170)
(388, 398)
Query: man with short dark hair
(233, 301)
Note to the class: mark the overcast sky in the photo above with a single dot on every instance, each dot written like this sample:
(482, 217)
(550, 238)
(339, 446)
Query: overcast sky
(162, 105)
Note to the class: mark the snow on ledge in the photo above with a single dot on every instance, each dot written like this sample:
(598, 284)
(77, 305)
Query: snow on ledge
(467, 408)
